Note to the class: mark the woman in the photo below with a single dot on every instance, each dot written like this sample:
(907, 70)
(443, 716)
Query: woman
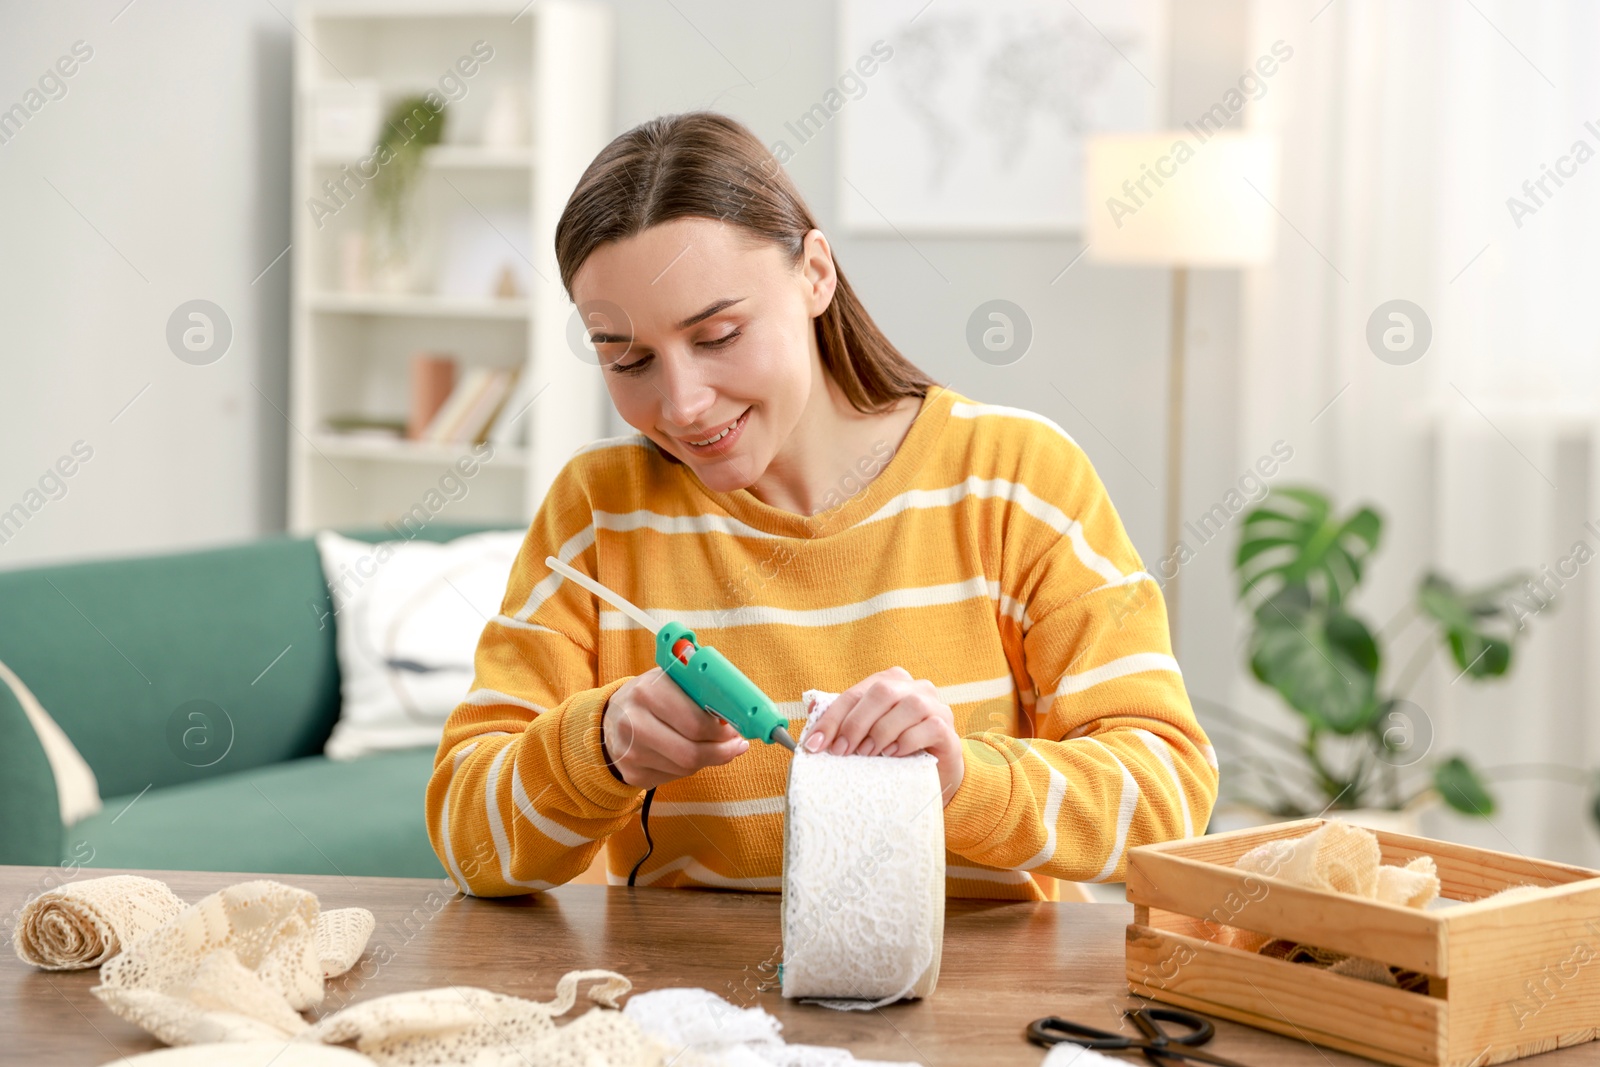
(823, 513)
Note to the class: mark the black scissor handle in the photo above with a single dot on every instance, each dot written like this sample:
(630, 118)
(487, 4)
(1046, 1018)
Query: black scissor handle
(1052, 1030)
(1149, 1021)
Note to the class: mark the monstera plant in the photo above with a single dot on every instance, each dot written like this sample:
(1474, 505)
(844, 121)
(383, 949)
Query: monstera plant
(1363, 743)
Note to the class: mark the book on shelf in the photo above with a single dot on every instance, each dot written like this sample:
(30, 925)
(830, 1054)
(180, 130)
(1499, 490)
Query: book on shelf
(366, 427)
(433, 378)
(510, 426)
(470, 410)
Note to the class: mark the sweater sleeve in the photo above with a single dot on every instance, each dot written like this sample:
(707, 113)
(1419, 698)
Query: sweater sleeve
(1116, 758)
(521, 798)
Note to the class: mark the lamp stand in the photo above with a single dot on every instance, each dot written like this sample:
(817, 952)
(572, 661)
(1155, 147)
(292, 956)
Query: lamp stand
(1180, 313)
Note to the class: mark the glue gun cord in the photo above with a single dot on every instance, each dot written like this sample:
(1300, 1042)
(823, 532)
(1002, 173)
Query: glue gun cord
(644, 824)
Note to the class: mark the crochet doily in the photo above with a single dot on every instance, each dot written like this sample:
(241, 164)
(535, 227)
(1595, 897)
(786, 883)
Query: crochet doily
(863, 875)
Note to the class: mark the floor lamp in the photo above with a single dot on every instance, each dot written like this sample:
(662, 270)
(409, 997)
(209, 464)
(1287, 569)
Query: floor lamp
(1173, 200)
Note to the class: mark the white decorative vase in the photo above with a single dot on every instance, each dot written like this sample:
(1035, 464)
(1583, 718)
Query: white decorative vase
(505, 124)
(1245, 817)
(1404, 821)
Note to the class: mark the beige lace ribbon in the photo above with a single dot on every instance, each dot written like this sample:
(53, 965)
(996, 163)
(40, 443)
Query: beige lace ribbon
(86, 923)
(225, 980)
(238, 965)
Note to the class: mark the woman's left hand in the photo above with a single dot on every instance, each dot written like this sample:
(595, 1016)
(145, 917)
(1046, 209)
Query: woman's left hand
(892, 714)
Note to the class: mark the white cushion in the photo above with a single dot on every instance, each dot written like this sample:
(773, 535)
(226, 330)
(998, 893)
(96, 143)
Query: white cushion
(407, 616)
(77, 790)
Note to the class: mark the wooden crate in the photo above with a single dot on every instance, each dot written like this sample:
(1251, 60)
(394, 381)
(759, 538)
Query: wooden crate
(1504, 980)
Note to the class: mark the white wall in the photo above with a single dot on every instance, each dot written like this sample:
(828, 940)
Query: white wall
(160, 177)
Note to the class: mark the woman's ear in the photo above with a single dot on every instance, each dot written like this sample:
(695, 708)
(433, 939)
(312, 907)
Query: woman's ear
(818, 272)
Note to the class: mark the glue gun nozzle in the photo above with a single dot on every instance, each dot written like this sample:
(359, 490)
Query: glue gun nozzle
(781, 735)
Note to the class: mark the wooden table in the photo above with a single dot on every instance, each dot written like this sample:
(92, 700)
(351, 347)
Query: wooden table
(1004, 965)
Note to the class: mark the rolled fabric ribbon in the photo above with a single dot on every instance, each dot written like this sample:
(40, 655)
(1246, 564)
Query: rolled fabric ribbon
(1337, 857)
(85, 923)
(863, 876)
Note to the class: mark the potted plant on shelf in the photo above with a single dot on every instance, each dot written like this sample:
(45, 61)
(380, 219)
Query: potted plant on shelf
(408, 131)
(1363, 748)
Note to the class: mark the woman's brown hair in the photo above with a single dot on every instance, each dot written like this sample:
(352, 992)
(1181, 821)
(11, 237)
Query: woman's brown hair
(706, 165)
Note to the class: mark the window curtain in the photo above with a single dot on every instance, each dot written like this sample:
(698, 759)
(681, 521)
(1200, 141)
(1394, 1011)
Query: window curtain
(1448, 154)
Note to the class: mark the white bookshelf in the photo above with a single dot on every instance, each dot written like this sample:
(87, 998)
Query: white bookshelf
(477, 208)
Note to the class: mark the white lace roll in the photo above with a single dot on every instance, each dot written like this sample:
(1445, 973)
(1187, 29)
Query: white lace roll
(863, 876)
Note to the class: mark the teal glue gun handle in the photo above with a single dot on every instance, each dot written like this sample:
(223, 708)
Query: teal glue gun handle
(719, 687)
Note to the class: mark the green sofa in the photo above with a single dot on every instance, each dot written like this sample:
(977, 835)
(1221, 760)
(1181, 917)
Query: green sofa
(166, 674)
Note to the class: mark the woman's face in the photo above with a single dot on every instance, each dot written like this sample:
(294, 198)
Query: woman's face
(706, 342)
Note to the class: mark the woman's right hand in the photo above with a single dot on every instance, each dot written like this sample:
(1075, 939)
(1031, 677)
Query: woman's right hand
(653, 733)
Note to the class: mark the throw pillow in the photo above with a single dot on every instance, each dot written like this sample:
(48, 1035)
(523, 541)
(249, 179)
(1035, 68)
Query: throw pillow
(407, 615)
(77, 791)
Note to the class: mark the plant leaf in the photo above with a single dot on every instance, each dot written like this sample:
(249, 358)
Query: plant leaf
(410, 127)
(1351, 636)
(1324, 666)
(1291, 601)
(1467, 620)
(1314, 547)
(1256, 545)
(1478, 655)
(1461, 788)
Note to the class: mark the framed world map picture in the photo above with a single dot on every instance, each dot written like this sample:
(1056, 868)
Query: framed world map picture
(970, 115)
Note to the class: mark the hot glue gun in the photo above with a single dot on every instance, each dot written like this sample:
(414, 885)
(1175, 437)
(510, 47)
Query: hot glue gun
(708, 677)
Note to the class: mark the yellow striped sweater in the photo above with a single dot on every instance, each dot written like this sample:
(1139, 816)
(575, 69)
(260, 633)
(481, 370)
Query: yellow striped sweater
(985, 556)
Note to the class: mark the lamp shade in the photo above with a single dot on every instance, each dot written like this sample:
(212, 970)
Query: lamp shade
(1173, 199)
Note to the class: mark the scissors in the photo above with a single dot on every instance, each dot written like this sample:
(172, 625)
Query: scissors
(1157, 1045)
